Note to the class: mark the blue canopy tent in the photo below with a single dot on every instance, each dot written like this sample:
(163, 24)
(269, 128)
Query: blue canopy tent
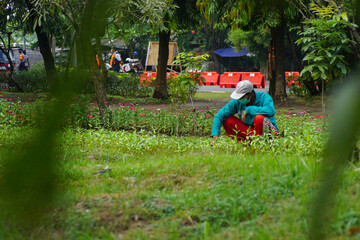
(230, 52)
(232, 61)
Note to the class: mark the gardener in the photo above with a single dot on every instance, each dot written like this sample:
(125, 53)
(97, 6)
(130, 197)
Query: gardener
(255, 109)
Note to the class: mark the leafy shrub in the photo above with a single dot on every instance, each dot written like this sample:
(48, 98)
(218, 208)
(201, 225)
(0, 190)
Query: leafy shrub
(185, 85)
(125, 84)
(33, 79)
(299, 90)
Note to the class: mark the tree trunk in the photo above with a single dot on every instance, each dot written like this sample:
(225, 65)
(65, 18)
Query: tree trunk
(45, 48)
(160, 83)
(11, 77)
(279, 94)
(272, 76)
(89, 55)
(298, 64)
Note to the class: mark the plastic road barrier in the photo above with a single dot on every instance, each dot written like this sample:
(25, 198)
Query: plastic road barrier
(250, 74)
(292, 78)
(171, 75)
(229, 79)
(257, 81)
(146, 76)
(211, 78)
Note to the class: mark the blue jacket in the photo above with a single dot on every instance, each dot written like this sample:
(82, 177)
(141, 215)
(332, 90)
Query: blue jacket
(263, 105)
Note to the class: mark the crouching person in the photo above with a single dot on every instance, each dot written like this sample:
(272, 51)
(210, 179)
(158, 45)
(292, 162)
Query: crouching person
(256, 113)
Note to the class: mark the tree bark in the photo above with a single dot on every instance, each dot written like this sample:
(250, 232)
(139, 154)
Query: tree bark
(298, 64)
(279, 95)
(45, 49)
(11, 77)
(272, 75)
(89, 55)
(160, 83)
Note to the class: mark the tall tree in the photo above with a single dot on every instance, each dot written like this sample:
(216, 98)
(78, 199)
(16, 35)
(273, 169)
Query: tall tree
(44, 43)
(212, 12)
(184, 16)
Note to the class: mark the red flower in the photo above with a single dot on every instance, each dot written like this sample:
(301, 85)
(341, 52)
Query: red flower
(287, 117)
(312, 117)
(297, 123)
(142, 114)
(151, 107)
(208, 115)
(20, 119)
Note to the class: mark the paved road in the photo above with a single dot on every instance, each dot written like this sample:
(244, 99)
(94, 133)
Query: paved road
(218, 89)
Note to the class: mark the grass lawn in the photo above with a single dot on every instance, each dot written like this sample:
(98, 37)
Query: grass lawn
(161, 187)
(141, 185)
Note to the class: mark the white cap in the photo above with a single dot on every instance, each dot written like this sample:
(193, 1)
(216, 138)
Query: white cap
(242, 88)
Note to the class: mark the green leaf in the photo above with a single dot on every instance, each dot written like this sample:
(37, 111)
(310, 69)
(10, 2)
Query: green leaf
(318, 59)
(344, 16)
(343, 69)
(333, 59)
(323, 76)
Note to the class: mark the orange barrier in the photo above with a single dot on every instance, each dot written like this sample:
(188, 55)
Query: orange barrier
(211, 78)
(257, 81)
(291, 78)
(171, 75)
(229, 79)
(146, 76)
(250, 74)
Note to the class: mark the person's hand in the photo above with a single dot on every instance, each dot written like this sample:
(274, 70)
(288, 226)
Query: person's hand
(214, 138)
(243, 115)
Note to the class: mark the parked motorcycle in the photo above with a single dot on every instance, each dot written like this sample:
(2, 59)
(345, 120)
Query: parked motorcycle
(131, 65)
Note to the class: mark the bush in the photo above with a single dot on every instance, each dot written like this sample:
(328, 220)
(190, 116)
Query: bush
(299, 90)
(125, 84)
(33, 79)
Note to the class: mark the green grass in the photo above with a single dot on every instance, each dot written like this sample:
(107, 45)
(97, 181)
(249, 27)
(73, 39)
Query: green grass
(213, 96)
(191, 187)
(162, 187)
